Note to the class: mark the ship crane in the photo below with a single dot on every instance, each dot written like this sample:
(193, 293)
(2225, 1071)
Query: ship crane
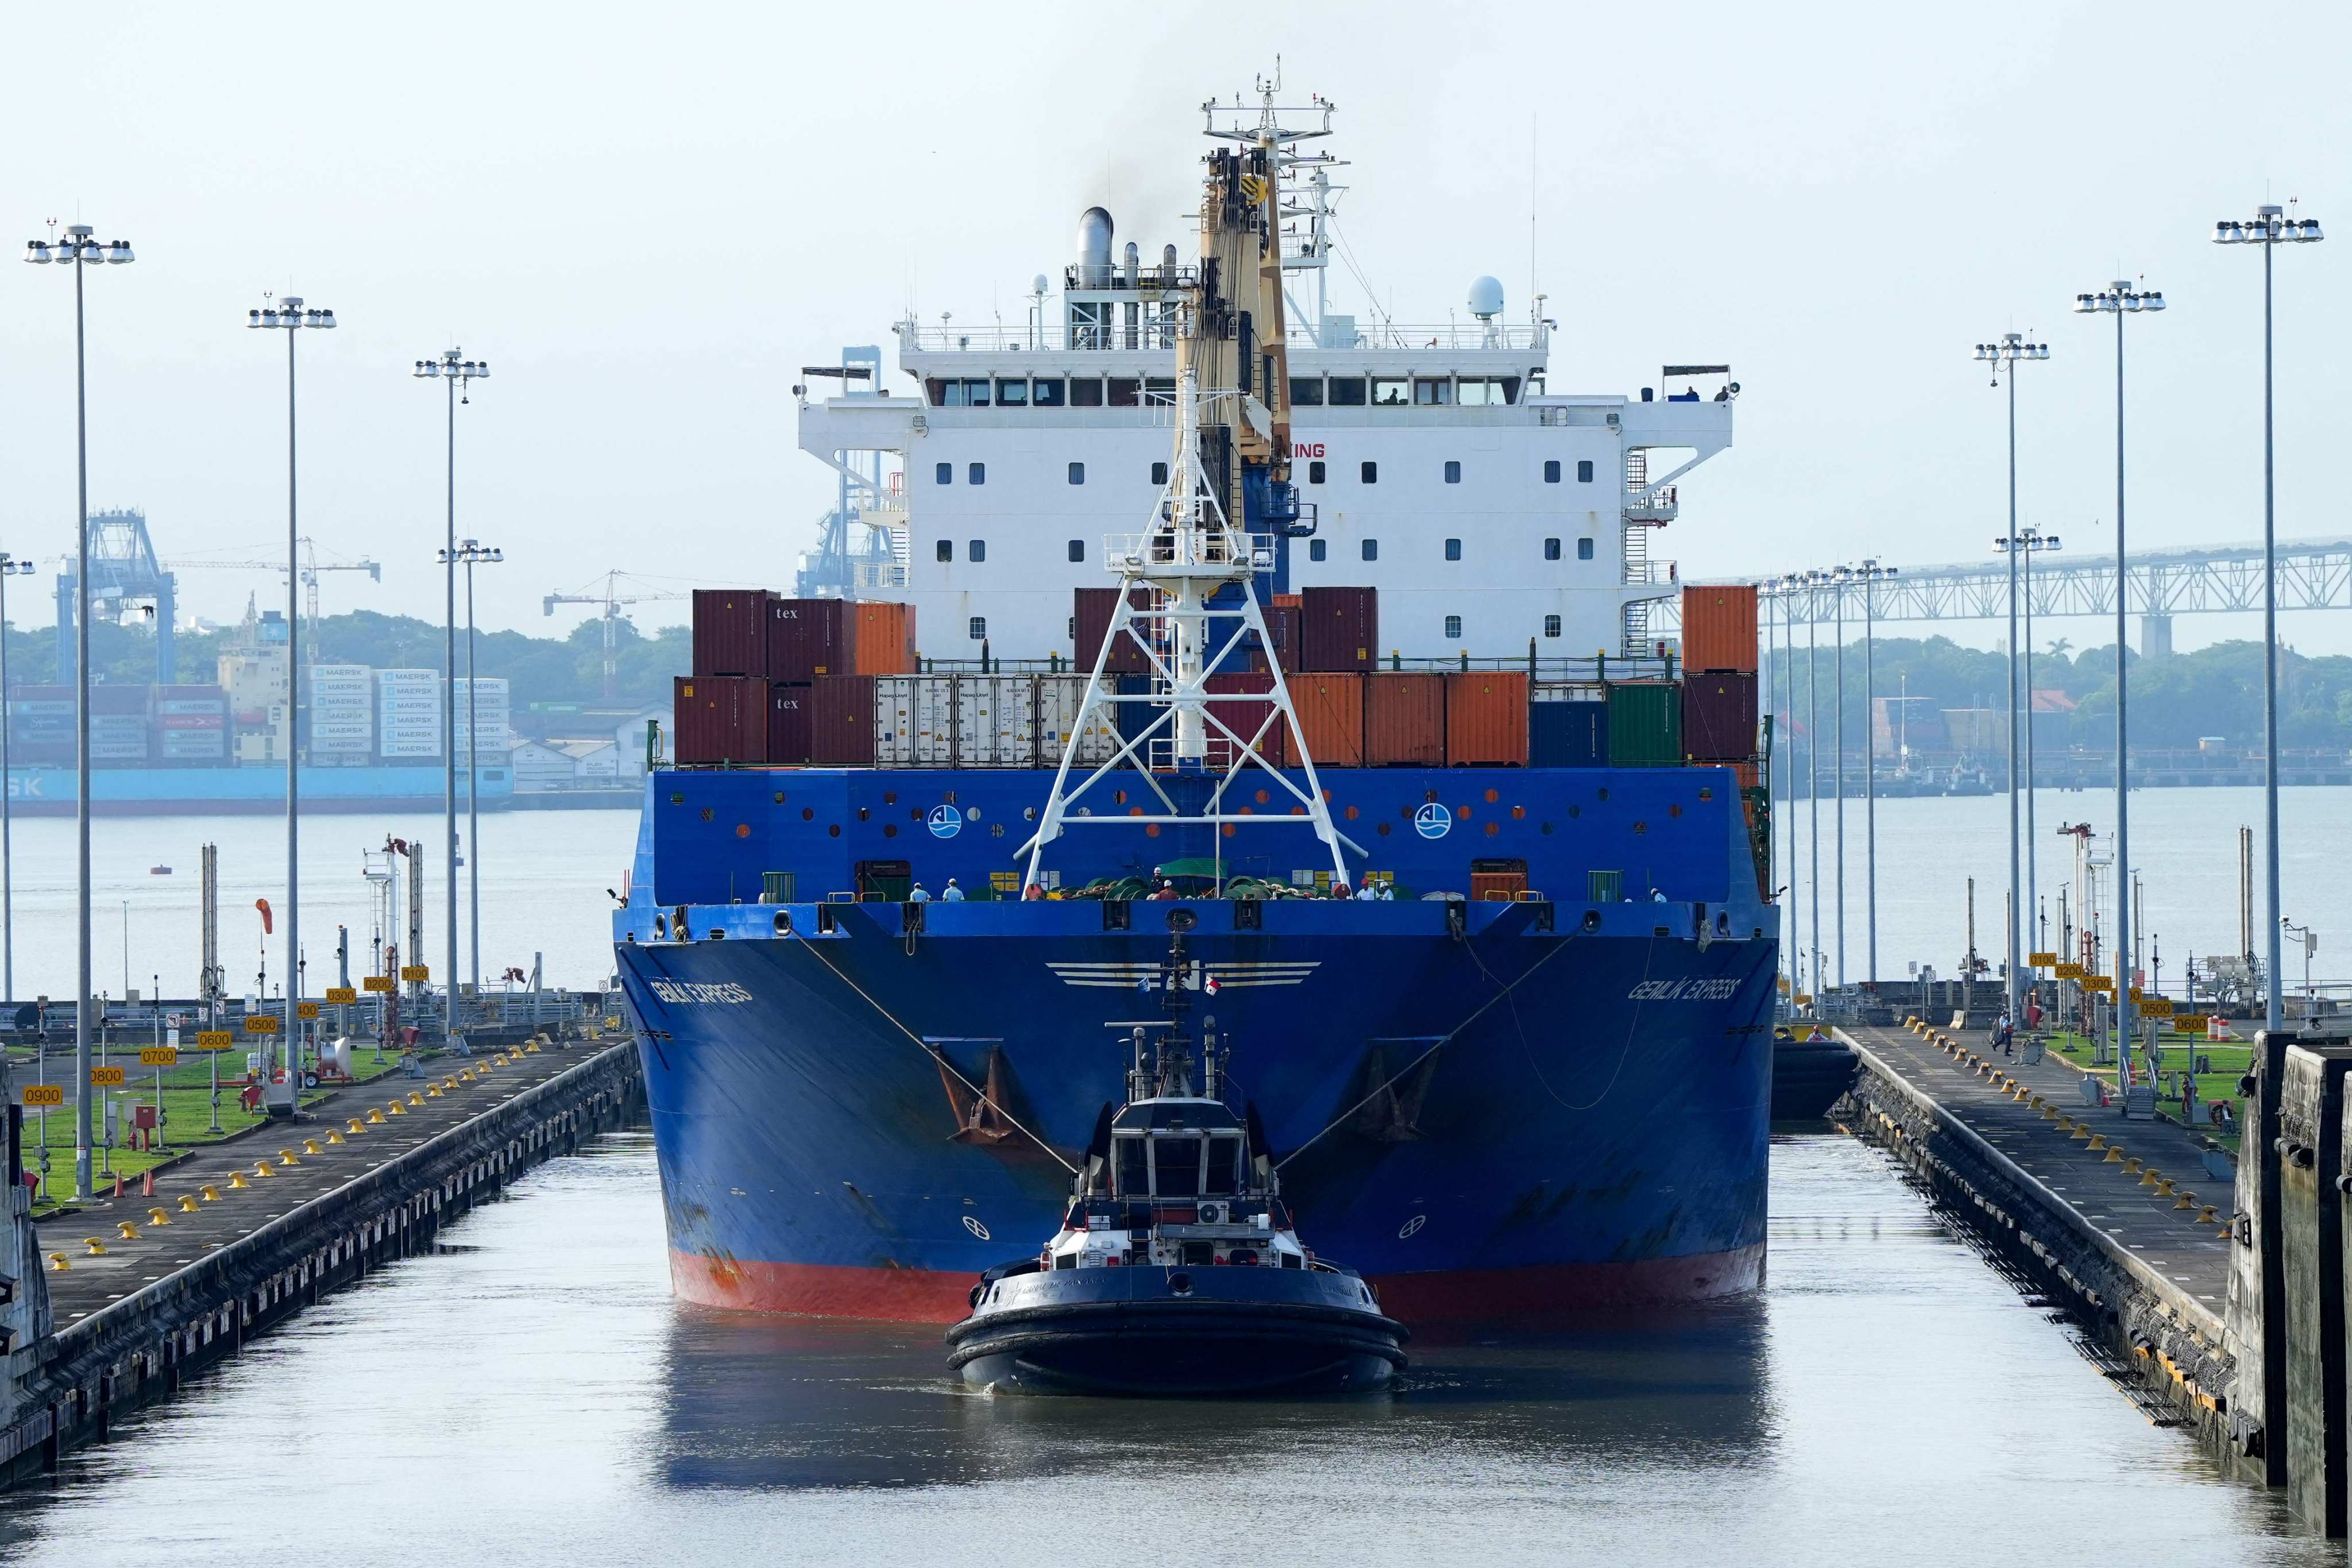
(311, 568)
(612, 599)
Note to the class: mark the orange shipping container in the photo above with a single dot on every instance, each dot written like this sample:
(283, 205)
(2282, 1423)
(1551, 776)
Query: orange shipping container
(1719, 627)
(1404, 721)
(883, 637)
(1486, 718)
(1331, 716)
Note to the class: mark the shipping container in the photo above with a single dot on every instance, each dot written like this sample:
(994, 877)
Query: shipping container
(1719, 627)
(1404, 721)
(792, 719)
(1293, 600)
(720, 719)
(808, 639)
(1091, 609)
(1281, 636)
(113, 698)
(884, 639)
(730, 631)
(1340, 628)
(1497, 882)
(1330, 709)
(1563, 734)
(1059, 698)
(1645, 724)
(841, 721)
(1486, 718)
(1719, 716)
(1248, 719)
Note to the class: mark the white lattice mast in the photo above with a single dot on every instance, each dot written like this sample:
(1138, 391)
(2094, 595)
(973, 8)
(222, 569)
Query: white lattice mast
(1192, 552)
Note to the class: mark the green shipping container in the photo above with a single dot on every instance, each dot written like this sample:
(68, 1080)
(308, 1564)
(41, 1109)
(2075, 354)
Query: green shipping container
(1645, 724)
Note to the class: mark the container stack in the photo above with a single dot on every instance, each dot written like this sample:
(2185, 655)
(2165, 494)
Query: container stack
(41, 726)
(408, 715)
(1718, 717)
(1339, 630)
(1568, 725)
(981, 722)
(484, 702)
(340, 705)
(120, 722)
(191, 727)
(786, 681)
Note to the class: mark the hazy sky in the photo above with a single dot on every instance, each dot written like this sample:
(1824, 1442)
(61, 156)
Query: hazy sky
(649, 219)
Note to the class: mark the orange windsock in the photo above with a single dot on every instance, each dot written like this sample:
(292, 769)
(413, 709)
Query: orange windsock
(263, 905)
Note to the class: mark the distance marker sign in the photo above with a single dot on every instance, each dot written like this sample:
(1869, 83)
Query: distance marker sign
(260, 1023)
(376, 983)
(306, 1009)
(106, 1077)
(38, 1094)
(216, 1039)
(342, 995)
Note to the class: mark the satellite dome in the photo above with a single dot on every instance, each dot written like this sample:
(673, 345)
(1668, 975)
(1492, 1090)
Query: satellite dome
(1037, 284)
(1485, 298)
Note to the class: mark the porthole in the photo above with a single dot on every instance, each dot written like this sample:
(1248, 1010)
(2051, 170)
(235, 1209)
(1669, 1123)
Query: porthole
(1674, 810)
(780, 797)
(996, 830)
(1119, 797)
(1576, 811)
(1546, 828)
(1260, 797)
(864, 815)
(1493, 795)
(678, 799)
(742, 830)
(972, 814)
(1492, 828)
(1705, 791)
(1518, 814)
(1601, 793)
(890, 797)
(708, 814)
(1028, 813)
(808, 813)
(889, 830)
(1351, 813)
(1383, 830)
(833, 831)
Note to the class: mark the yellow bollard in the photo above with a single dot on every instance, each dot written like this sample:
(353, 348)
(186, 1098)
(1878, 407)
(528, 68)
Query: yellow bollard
(433, 1092)
(2185, 1201)
(286, 1159)
(450, 1082)
(2148, 1177)
(212, 1194)
(237, 1179)
(188, 1204)
(376, 1117)
(261, 1168)
(2098, 1141)
(97, 1247)
(334, 1137)
(2206, 1217)
(2048, 1111)
(2164, 1188)
(57, 1264)
(415, 1098)
(356, 1128)
(129, 1231)
(155, 1216)
(395, 1110)
(2082, 1132)
(2115, 1155)
(310, 1146)
(2131, 1167)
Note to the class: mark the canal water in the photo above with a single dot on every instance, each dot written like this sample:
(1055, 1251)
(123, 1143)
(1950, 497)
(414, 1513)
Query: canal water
(544, 876)
(531, 1394)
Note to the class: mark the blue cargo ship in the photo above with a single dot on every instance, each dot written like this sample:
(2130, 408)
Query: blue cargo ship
(231, 791)
(1526, 1070)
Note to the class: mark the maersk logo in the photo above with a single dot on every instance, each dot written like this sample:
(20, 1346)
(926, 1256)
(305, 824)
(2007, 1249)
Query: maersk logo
(694, 991)
(1143, 975)
(1690, 988)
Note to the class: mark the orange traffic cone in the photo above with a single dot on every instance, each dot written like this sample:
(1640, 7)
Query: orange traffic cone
(147, 1186)
(118, 1184)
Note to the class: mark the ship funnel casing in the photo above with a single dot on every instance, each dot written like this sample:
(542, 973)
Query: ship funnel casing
(1132, 261)
(1168, 259)
(1094, 247)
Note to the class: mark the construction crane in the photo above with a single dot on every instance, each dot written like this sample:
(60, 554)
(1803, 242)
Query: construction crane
(312, 567)
(612, 599)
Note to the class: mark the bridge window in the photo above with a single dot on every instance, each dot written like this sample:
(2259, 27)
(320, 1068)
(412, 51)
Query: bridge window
(1077, 552)
(1125, 392)
(1347, 391)
(1551, 470)
(1370, 473)
(976, 551)
(1046, 394)
(1176, 1165)
(1551, 549)
(1158, 473)
(1453, 550)
(1316, 549)
(1086, 392)
(1371, 549)
(1476, 391)
(1159, 391)
(1433, 391)
(943, 474)
(1453, 471)
(1011, 394)
(1315, 473)
(1551, 626)
(1078, 473)
(1585, 471)
(979, 628)
(1584, 550)
(1224, 1171)
(1388, 392)
(1307, 392)
(944, 550)
(1453, 628)
(1134, 1166)
(976, 473)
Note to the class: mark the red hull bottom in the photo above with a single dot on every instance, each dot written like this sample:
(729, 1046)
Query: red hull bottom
(1469, 1295)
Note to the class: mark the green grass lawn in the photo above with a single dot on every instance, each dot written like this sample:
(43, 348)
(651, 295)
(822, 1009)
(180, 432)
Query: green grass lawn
(2228, 1063)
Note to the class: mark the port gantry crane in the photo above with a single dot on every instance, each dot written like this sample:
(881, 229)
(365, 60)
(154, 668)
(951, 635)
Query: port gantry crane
(612, 599)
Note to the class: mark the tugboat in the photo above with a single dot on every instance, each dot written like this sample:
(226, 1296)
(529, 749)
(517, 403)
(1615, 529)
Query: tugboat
(1178, 1269)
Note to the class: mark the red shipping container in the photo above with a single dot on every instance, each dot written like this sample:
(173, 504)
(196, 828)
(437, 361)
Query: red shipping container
(1486, 718)
(1340, 628)
(730, 631)
(1293, 600)
(808, 639)
(1092, 608)
(1719, 716)
(792, 719)
(1281, 636)
(841, 721)
(1330, 711)
(1244, 717)
(720, 719)
(1719, 627)
(1404, 721)
(884, 638)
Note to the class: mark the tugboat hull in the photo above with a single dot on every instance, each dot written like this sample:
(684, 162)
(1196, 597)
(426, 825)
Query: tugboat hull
(1177, 1332)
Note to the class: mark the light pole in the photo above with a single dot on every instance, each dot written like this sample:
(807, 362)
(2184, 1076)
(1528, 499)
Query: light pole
(290, 316)
(1870, 571)
(2006, 355)
(458, 373)
(2024, 545)
(2119, 300)
(1838, 578)
(1783, 594)
(1813, 769)
(9, 567)
(2272, 227)
(473, 552)
(80, 251)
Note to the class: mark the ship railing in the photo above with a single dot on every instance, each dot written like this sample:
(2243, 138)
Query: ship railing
(1214, 552)
(1159, 337)
(1593, 670)
(1394, 336)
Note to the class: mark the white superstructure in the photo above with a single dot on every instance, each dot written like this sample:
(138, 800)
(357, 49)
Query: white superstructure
(1489, 511)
